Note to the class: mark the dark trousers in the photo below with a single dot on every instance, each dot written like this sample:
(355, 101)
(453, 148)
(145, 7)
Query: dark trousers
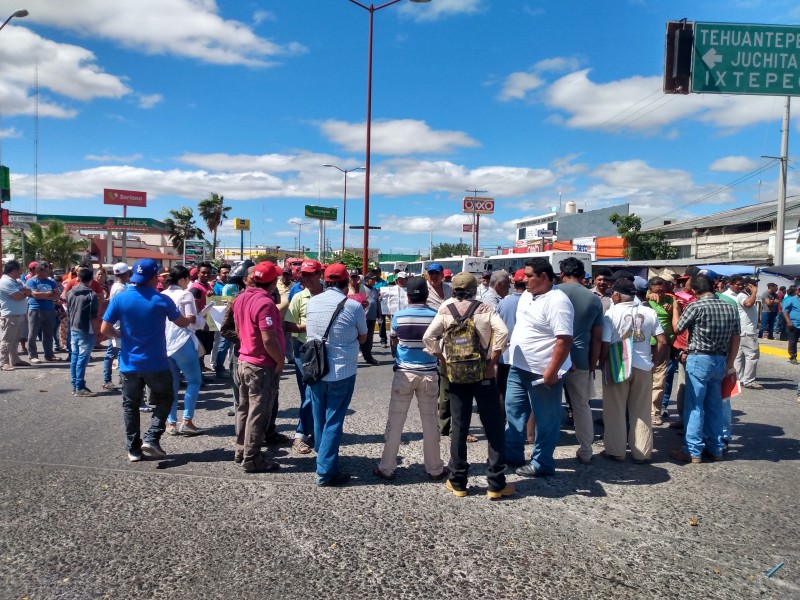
(767, 324)
(382, 328)
(160, 384)
(793, 334)
(502, 381)
(444, 406)
(366, 347)
(491, 414)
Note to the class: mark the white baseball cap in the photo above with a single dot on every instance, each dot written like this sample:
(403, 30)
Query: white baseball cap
(121, 268)
(402, 275)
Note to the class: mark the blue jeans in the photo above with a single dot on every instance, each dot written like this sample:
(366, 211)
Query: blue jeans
(185, 361)
(767, 324)
(703, 411)
(305, 424)
(82, 343)
(330, 400)
(222, 353)
(672, 368)
(111, 353)
(521, 398)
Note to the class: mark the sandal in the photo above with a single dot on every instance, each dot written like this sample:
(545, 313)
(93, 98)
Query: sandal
(300, 446)
(657, 420)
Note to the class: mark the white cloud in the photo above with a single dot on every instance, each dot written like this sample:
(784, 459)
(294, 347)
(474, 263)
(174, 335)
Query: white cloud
(439, 9)
(517, 86)
(149, 100)
(112, 158)
(11, 132)
(152, 26)
(269, 163)
(397, 137)
(64, 69)
(261, 16)
(734, 164)
(449, 226)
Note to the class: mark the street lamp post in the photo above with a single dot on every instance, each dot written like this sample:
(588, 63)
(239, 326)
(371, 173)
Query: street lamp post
(300, 224)
(372, 9)
(344, 209)
(19, 14)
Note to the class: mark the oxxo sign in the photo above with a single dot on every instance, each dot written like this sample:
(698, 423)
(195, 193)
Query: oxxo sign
(481, 206)
(733, 58)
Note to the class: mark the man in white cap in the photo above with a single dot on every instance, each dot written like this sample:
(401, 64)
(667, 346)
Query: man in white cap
(394, 298)
(122, 275)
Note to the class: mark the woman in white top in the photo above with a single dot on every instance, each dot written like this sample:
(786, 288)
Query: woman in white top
(182, 347)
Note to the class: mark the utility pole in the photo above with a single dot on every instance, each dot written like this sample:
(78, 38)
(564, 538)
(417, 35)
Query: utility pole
(475, 221)
(780, 224)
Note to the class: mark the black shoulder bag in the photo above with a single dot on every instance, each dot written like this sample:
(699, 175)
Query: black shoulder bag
(314, 354)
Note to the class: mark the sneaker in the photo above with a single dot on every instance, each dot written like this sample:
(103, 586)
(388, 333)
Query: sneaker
(454, 491)
(153, 449)
(172, 429)
(684, 457)
(7, 368)
(509, 490)
(134, 456)
(145, 408)
(231, 412)
(339, 479)
(753, 386)
(793, 361)
(110, 386)
(188, 428)
(84, 393)
(36, 361)
(260, 465)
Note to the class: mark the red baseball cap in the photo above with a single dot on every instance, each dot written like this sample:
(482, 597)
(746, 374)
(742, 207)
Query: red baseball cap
(266, 272)
(33, 265)
(519, 275)
(193, 273)
(336, 272)
(448, 273)
(310, 266)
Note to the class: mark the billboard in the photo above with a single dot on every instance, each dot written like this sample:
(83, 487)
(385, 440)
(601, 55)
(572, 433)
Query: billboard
(125, 198)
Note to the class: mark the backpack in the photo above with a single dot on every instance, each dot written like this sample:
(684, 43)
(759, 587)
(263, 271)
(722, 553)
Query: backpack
(466, 358)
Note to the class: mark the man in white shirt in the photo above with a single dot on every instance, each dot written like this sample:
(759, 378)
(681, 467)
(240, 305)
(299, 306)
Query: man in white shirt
(539, 356)
(745, 294)
(624, 320)
(122, 274)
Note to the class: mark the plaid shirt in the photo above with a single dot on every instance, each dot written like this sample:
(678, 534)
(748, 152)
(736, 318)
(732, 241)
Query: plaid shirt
(711, 323)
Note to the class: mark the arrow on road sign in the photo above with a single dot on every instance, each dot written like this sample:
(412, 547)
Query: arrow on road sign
(711, 58)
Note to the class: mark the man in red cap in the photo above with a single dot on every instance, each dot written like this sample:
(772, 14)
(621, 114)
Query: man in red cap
(331, 396)
(261, 358)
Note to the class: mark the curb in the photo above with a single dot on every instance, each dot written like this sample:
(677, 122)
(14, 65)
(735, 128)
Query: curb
(773, 351)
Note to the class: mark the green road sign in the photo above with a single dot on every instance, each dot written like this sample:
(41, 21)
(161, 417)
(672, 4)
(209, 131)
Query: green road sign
(731, 58)
(5, 184)
(321, 212)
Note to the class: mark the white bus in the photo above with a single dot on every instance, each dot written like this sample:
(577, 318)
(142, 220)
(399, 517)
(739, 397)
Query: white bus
(387, 268)
(513, 262)
(471, 264)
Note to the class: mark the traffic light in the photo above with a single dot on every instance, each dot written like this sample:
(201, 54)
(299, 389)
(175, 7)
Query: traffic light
(5, 184)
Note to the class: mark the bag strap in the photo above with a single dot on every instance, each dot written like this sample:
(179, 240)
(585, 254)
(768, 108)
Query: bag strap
(333, 317)
(473, 306)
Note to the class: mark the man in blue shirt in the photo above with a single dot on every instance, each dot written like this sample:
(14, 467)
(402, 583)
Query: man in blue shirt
(141, 312)
(415, 373)
(331, 396)
(507, 309)
(791, 313)
(42, 313)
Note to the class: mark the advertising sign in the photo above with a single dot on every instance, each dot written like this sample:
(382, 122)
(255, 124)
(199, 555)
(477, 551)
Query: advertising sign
(193, 252)
(241, 224)
(481, 206)
(466, 228)
(125, 198)
(323, 213)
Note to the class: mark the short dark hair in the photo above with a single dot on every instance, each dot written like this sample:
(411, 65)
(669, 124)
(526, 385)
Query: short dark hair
(603, 272)
(224, 266)
(656, 280)
(701, 284)
(11, 265)
(734, 279)
(772, 284)
(85, 275)
(541, 265)
(204, 265)
(572, 267)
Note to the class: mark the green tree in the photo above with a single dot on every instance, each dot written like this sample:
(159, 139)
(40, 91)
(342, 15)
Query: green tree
(181, 226)
(351, 260)
(51, 242)
(445, 250)
(213, 211)
(651, 245)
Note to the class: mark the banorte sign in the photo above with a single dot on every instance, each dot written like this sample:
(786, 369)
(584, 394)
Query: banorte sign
(125, 198)
(481, 206)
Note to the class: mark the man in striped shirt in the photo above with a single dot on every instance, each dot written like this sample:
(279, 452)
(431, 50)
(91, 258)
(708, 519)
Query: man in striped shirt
(415, 372)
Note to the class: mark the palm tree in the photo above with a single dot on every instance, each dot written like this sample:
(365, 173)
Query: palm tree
(213, 211)
(181, 227)
(52, 243)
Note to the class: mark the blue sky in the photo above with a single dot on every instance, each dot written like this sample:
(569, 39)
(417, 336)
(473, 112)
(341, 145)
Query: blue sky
(523, 99)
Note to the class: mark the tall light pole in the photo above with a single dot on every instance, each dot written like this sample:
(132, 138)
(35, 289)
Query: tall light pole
(372, 9)
(300, 224)
(344, 210)
(19, 14)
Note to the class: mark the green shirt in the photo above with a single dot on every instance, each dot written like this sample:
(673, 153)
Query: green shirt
(664, 313)
(296, 313)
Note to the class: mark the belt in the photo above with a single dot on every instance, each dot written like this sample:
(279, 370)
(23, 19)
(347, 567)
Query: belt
(708, 352)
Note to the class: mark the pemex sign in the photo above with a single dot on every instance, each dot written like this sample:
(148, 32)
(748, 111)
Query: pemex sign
(734, 58)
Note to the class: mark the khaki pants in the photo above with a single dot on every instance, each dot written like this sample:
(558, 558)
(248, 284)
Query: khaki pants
(633, 395)
(580, 386)
(746, 361)
(258, 389)
(9, 341)
(659, 377)
(405, 385)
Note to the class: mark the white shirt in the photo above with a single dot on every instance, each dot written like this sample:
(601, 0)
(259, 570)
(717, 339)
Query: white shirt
(638, 321)
(178, 336)
(748, 317)
(539, 320)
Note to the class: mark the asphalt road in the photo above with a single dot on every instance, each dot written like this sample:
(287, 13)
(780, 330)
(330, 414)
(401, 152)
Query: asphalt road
(77, 520)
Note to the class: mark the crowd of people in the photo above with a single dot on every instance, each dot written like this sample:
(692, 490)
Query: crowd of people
(516, 345)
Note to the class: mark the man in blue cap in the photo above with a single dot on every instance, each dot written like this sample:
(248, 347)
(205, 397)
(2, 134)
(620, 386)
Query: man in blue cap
(438, 289)
(141, 312)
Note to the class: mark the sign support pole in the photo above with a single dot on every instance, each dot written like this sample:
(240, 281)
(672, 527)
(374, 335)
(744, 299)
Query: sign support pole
(124, 236)
(780, 224)
(241, 246)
